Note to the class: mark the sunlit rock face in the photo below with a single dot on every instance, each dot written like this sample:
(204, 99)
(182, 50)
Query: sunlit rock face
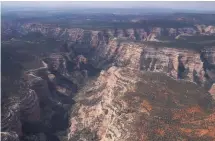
(125, 104)
(10, 121)
(102, 106)
(203, 29)
(9, 136)
(178, 63)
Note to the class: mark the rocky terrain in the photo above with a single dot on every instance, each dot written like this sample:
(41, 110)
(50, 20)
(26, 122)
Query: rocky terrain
(124, 104)
(133, 83)
(95, 36)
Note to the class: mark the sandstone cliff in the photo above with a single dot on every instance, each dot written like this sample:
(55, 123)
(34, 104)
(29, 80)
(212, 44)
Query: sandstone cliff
(178, 63)
(125, 104)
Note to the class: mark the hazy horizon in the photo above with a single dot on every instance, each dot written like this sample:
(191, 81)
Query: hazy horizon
(176, 5)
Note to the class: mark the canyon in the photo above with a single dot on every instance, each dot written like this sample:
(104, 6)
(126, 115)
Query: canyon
(150, 83)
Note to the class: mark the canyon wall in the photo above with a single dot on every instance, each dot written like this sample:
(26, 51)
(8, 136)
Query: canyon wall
(103, 48)
(95, 36)
(125, 103)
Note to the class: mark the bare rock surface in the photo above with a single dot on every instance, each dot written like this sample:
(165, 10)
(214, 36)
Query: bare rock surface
(9, 136)
(178, 63)
(125, 104)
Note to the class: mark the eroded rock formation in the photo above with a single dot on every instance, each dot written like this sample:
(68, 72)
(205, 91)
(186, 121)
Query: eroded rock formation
(29, 106)
(94, 37)
(11, 122)
(178, 63)
(125, 104)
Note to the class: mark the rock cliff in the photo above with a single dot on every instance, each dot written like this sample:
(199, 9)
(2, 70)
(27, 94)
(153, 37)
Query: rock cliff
(94, 37)
(125, 104)
(178, 63)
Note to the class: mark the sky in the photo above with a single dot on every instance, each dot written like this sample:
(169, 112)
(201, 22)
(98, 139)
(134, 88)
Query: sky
(188, 5)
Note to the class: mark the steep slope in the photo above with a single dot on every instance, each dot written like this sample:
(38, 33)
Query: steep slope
(124, 103)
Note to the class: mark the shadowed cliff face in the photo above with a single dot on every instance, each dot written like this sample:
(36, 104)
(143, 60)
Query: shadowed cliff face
(36, 98)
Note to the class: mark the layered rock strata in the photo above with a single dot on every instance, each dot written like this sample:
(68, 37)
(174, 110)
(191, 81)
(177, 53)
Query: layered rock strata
(110, 85)
(78, 34)
(125, 104)
(178, 63)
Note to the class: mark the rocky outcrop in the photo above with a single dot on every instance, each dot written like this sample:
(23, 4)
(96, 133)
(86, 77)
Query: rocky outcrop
(103, 107)
(23, 107)
(208, 56)
(212, 91)
(10, 121)
(80, 61)
(57, 63)
(9, 136)
(101, 96)
(40, 86)
(94, 38)
(119, 54)
(129, 55)
(203, 29)
(103, 48)
(30, 109)
(178, 63)
(35, 104)
(125, 104)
